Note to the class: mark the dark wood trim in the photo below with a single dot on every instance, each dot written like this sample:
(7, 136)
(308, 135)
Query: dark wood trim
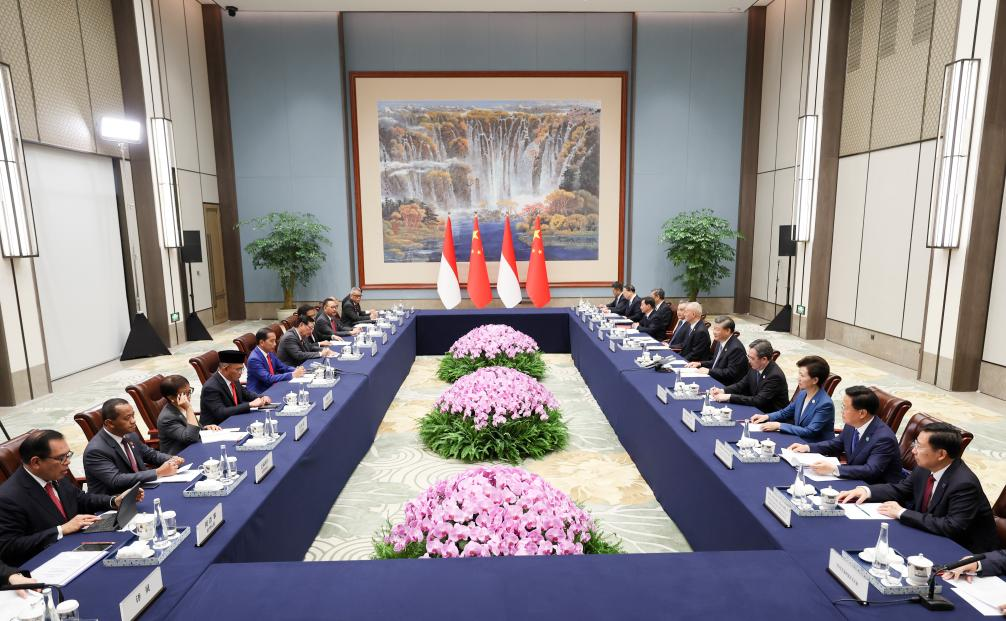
(750, 136)
(976, 286)
(354, 75)
(827, 175)
(223, 147)
(134, 106)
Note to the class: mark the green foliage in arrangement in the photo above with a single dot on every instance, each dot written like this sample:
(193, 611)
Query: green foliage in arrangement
(455, 437)
(452, 369)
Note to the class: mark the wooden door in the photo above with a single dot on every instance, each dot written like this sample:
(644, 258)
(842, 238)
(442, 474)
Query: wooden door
(215, 252)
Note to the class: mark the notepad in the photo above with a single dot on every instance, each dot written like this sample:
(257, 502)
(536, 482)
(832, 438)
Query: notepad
(65, 566)
(984, 594)
(794, 458)
(224, 435)
(865, 511)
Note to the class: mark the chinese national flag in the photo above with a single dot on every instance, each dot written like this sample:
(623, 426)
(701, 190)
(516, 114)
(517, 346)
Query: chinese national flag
(478, 275)
(537, 273)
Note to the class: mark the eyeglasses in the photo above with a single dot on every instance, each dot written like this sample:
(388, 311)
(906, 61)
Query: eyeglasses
(63, 459)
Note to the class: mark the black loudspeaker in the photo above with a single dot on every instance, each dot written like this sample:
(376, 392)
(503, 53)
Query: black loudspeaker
(143, 341)
(192, 251)
(787, 247)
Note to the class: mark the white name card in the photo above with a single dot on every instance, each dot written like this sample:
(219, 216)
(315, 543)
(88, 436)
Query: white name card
(394, 328)
(844, 570)
(662, 394)
(263, 467)
(209, 524)
(326, 401)
(600, 334)
(724, 454)
(373, 348)
(300, 429)
(611, 345)
(779, 507)
(384, 337)
(142, 596)
(688, 418)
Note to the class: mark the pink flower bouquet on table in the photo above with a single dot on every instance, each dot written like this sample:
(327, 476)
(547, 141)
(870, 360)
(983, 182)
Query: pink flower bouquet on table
(492, 511)
(494, 413)
(492, 345)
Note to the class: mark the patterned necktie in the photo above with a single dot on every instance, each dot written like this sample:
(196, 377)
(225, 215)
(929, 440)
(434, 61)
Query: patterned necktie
(129, 455)
(51, 491)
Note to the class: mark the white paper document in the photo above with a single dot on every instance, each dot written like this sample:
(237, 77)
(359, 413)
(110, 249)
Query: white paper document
(224, 435)
(812, 476)
(985, 594)
(794, 458)
(865, 511)
(303, 379)
(12, 605)
(690, 372)
(65, 566)
(184, 476)
(754, 427)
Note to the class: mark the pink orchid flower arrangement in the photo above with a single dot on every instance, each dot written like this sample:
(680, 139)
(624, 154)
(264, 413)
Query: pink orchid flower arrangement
(492, 345)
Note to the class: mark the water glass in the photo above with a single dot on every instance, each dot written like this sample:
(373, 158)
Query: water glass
(169, 524)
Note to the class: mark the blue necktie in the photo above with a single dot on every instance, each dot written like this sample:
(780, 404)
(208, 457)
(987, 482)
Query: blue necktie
(855, 438)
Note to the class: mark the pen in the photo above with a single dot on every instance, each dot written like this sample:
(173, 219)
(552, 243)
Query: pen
(864, 510)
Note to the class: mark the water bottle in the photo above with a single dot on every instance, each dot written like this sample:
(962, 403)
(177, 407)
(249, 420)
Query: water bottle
(50, 605)
(881, 554)
(160, 540)
(225, 464)
(705, 402)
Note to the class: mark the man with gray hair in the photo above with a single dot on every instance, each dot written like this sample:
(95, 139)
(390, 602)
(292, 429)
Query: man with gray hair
(352, 314)
(764, 386)
(696, 345)
(727, 363)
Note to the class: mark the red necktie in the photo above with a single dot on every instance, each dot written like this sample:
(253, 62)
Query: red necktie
(927, 494)
(129, 454)
(49, 489)
(234, 393)
(271, 372)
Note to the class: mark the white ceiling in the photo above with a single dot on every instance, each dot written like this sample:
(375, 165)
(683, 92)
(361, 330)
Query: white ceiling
(715, 6)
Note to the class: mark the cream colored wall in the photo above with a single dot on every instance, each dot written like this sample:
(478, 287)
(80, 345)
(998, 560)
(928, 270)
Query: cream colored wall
(995, 336)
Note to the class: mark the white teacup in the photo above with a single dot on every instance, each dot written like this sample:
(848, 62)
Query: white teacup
(347, 350)
(211, 468)
(726, 414)
(767, 448)
(145, 526)
(290, 398)
(829, 498)
(919, 570)
(257, 429)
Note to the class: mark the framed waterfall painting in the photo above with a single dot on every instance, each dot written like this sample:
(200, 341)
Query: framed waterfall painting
(429, 145)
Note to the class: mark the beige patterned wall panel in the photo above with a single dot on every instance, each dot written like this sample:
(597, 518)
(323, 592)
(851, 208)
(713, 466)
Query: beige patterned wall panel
(12, 52)
(944, 37)
(903, 56)
(864, 32)
(56, 53)
(102, 61)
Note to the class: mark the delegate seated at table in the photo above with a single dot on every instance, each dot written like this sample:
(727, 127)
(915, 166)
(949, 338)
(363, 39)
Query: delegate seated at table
(116, 458)
(728, 362)
(296, 346)
(681, 328)
(264, 368)
(352, 313)
(653, 322)
(38, 505)
(941, 495)
(177, 426)
(764, 386)
(618, 304)
(812, 414)
(223, 395)
(869, 445)
(329, 326)
(632, 304)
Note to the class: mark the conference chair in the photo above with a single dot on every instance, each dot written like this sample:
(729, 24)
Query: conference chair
(275, 329)
(892, 409)
(829, 386)
(912, 429)
(89, 422)
(149, 403)
(999, 511)
(775, 355)
(288, 322)
(10, 459)
(245, 343)
(205, 365)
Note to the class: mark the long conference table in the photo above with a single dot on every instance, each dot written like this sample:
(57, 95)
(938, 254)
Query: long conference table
(745, 564)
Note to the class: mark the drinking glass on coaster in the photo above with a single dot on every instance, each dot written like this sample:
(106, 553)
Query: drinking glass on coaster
(303, 397)
(169, 524)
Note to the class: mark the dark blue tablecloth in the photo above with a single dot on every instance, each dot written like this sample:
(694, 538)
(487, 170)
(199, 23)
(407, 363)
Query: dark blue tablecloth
(436, 331)
(640, 586)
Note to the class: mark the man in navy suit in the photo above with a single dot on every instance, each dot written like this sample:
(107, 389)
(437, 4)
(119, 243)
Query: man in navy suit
(632, 304)
(812, 414)
(116, 458)
(264, 368)
(652, 323)
(728, 362)
(941, 496)
(223, 395)
(764, 386)
(39, 505)
(619, 303)
(696, 345)
(681, 328)
(869, 445)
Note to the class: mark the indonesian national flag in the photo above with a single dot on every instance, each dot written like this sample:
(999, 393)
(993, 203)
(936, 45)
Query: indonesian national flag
(537, 274)
(507, 283)
(478, 275)
(448, 285)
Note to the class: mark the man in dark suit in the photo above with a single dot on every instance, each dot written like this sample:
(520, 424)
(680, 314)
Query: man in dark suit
(295, 348)
(264, 368)
(994, 564)
(681, 328)
(728, 362)
(652, 323)
(618, 304)
(38, 505)
(696, 345)
(941, 496)
(869, 445)
(223, 395)
(329, 326)
(764, 385)
(352, 314)
(116, 458)
(662, 307)
(632, 304)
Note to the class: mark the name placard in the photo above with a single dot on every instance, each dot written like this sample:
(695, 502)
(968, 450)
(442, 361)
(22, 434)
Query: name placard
(600, 334)
(142, 596)
(724, 454)
(209, 524)
(326, 401)
(661, 394)
(384, 338)
(300, 429)
(844, 570)
(688, 418)
(779, 507)
(263, 467)
(611, 345)
(394, 328)
(373, 348)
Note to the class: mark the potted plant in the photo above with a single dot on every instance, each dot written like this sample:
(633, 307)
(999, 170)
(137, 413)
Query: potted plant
(291, 248)
(696, 242)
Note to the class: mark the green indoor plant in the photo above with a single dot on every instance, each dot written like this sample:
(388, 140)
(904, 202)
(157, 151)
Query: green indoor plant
(696, 241)
(291, 248)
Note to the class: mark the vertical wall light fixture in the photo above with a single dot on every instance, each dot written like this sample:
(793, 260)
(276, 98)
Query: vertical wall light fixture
(17, 220)
(953, 152)
(805, 176)
(162, 141)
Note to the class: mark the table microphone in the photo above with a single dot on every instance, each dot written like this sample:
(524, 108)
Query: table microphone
(938, 602)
